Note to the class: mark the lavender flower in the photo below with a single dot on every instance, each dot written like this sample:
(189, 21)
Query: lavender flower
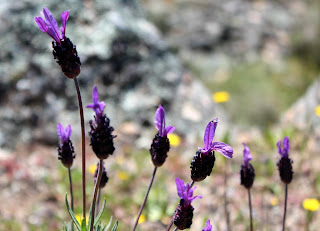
(247, 171)
(101, 131)
(285, 163)
(65, 148)
(203, 161)
(208, 226)
(63, 49)
(160, 145)
(104, 177)
(184, 212)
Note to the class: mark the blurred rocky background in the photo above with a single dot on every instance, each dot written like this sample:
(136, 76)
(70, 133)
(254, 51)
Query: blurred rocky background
(253, 64)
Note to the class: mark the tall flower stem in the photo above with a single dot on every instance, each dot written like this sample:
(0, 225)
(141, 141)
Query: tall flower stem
(285, 207)
(95, 193)
(145, 199)
(172, 220)
(250, 210)
(98, 201)
(83, 136)
(71, 191)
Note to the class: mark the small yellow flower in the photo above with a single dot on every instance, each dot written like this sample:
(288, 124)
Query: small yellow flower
(122, 175)
(92, 168)
(317, 110)
(142, 219)
(221, 97)
(174, 139)
(311, 204)
(274, 201)
(79, 218)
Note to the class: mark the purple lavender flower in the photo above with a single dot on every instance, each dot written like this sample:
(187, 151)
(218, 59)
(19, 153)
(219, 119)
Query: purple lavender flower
(285, 163)
(203, 161)
(284, 151)
(50, 25)
(104, 177)
(160, 122)
(63, 49)
(184, 212)
(160, 144)
(65, 148)
(208, 226)
(247, 171)
(96, 106)
(101, 131)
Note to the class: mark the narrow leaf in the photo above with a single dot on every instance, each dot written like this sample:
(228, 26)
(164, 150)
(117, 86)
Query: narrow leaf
(90, 217)
(109, 224)
(72, 215)
(83, 225)
(100, 213)
(115, 226)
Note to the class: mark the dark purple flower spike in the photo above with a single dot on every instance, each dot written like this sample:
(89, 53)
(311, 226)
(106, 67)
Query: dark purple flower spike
(208, 226)
(104, 177)
(63, 49)
(203, 161)
(160, 144)
(285, 163)
(65, 148)
(247, 171)
(184, 212)
(101, 131)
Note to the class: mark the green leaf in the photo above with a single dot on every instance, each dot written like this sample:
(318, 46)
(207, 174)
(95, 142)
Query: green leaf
(90, 217)
(72, 215)
(115, 226)
(100, 213)
(109, 224)
(83, 225)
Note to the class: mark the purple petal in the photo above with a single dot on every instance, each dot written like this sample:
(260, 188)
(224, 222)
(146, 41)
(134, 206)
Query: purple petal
(95, 95)
(279, 147)
(208, 226)
(51, 22)
(246, 155)
(209, 133)
(41, 24)
(159, 120)
(168, 130)
(64, 19)
(60, 131)
(180, 187)
(68, 131)
(286, 144)
(223, 148)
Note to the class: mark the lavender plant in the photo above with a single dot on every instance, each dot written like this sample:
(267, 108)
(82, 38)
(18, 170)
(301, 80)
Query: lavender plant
(102, 143)
(247, 177)
(159, 148)
(285, 171)
(203, 162)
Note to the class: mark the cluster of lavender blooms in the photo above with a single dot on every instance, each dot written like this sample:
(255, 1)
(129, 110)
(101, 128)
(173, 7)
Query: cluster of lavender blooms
(101, 141)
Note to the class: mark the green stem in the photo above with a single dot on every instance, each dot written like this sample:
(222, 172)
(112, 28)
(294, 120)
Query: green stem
(250, 209)
(145, 199)
(83, 136)
(71, 193)
(96, 187)
(285, 207)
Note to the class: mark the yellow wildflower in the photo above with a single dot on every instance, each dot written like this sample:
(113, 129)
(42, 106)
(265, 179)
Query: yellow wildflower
(122, 175)
(142, 219)
(311, 204)
(174, 139)
(317, 110)
(221, 97)
(79, 218)
(92, 168)
(274, 201)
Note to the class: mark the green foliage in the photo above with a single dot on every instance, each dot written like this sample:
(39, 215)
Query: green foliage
(97, 226)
